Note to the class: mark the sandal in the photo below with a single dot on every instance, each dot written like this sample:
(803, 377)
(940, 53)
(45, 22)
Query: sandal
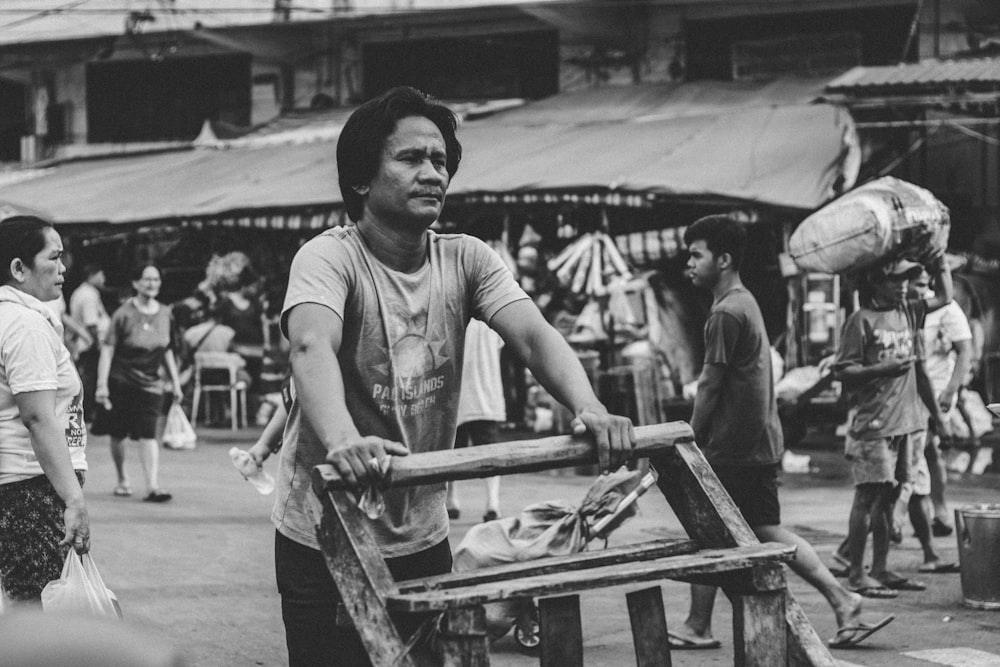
(157, 497)
(122, 490)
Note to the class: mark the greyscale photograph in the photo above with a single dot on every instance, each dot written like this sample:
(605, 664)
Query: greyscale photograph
(470, 333)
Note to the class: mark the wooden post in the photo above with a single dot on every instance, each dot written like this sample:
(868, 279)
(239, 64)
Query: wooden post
(462, 641)
(362, 578)
(561, 631)
(649, 628)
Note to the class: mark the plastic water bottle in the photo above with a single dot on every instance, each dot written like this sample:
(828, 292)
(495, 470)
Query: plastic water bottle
(261, 479)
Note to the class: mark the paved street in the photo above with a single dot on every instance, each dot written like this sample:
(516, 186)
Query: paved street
(199, 570)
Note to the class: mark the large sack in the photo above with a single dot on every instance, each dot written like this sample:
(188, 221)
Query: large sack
(878, 220)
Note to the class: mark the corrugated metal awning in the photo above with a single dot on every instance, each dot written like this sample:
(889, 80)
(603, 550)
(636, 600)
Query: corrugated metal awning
(629, 146)
(928, 73)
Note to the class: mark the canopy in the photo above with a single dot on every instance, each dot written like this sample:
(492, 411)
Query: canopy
(751, 143)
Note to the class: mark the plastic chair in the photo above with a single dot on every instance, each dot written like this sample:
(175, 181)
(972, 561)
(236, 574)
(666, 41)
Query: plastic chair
(219, 372)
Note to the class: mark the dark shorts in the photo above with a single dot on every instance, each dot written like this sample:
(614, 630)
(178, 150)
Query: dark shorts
(754, 490)
(134, 413)
(315, 631)
(480, 432)
(31, 527)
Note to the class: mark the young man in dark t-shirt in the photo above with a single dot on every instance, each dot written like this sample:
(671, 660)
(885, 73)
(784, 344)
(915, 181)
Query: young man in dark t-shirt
(735, 421)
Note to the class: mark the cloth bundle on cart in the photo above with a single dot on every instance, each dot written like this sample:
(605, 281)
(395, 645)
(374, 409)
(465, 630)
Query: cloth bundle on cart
(881, 220)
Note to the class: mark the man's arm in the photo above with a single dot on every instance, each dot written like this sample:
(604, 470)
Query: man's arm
(314, 334)
(707, 398)
(557, 368)
(963, 362)
(945, 287)
(926, 392)
(853, 374)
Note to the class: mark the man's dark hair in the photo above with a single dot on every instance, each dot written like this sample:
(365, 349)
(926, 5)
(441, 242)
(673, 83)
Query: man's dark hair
(21, 237)
(359, 149)
(721, 234)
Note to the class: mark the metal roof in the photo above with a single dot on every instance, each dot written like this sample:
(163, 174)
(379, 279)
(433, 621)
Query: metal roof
(704, 139)
(925, 73)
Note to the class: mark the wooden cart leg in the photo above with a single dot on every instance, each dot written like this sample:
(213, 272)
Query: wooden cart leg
(759, 635)
(710, 517)
(649, 628)
(561, 631)
(462, 641)
(362, 578)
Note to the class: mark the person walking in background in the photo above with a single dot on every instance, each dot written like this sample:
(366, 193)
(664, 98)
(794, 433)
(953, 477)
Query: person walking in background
(140, 340)
(241, 310)
(87, 308)
(880, 363)
(43, 437)
(735, 422)
(481, 407)
(376, 314)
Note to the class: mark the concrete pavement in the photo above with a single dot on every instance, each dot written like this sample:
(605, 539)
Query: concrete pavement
(199, 570)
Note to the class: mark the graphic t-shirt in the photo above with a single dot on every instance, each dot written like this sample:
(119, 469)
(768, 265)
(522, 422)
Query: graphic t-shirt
(886, 406)
(401, 360)
(34, 358)
(744, 430)
(942, 328)
(140, 342)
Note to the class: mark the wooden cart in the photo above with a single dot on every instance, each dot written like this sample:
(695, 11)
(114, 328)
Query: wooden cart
(769, 627)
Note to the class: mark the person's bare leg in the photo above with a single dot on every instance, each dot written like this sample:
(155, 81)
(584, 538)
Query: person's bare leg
(880, 531)
(863, 513)
(149, 454)
(451, 499)
(493, 494)
(698, 624)
(919, 506)
(807, 564)
(118, 456)
(939, 477)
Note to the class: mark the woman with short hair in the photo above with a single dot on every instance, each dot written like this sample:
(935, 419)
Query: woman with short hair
(42, 433)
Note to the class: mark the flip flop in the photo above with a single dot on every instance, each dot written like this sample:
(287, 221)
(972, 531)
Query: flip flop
(122, 490)
(857, 633)
(839, 572)
(903, 584)
(939, 568)
(940, 529)
(158, 497)
(678, 643)
(875, 592)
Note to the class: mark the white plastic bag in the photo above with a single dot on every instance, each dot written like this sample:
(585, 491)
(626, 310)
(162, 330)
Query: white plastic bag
(178, 432)
(80, 590)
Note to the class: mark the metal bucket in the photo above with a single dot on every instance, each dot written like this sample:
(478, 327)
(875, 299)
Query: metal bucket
(978, 534)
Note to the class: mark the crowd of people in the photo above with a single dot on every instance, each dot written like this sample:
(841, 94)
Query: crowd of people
(386, 320)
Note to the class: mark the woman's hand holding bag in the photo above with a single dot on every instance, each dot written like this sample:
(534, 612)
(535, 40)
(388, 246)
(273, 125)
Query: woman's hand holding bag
(80, 590)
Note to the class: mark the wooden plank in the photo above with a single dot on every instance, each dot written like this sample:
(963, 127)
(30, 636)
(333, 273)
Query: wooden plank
(561, 631)
(361, 576)
(699, 500)
(649, 628)
(709, 516)
(462, 641)
(587, 559)
(759, 634)
(805, 647)
(507, 458)
(702, 563)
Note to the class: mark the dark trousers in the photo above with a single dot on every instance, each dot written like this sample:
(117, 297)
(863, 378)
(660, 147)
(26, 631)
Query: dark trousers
(309, 602)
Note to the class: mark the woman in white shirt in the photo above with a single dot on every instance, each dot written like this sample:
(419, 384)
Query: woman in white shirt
(42, 433)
